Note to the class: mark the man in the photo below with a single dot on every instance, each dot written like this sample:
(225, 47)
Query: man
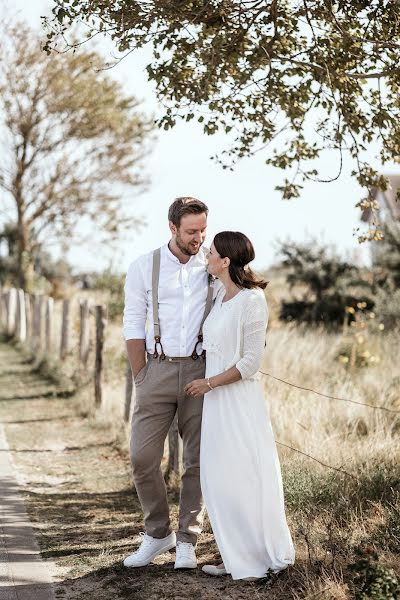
(169, 291)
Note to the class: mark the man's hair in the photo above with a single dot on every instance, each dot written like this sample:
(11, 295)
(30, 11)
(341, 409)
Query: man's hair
(185, 206)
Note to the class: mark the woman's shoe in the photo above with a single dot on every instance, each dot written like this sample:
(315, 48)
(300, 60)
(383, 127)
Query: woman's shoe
(214, 570)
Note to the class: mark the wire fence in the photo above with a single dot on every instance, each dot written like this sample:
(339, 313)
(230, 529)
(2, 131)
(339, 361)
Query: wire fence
(21, 315)
(299, 387)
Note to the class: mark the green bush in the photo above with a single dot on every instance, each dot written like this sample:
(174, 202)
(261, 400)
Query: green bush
(114, 284)
(372, 581)
(327, 284)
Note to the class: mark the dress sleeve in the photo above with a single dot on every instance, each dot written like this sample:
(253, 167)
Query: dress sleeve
(255, 321)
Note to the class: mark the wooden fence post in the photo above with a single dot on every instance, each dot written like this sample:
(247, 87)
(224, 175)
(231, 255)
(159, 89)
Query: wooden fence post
(49, 324)
(34, 320)
(28, 315)
(101, 321)
(128, 390)
(64, 329)
(21, 316)
(84, 333)
(3, 308)
(11, 310)
(37, 322)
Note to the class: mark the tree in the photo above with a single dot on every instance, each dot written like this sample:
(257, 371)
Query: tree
(316, 74)
(74, 146)
(386, 268)
(386, 256)
(328, 284)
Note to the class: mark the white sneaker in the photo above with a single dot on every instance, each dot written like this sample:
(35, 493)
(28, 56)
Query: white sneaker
(214, 570)
(185, 556)
(149, 549)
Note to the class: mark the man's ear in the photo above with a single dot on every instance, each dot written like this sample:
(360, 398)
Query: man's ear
(172, 228)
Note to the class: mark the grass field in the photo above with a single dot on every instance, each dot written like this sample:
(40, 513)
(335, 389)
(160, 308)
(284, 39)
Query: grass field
(80, 491)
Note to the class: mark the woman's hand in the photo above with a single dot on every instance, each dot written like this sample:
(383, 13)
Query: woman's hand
(198, 387)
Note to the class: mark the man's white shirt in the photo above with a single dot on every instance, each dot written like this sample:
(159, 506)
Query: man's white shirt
(182, 295)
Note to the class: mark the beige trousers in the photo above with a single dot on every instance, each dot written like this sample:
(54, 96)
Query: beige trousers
(159, 395)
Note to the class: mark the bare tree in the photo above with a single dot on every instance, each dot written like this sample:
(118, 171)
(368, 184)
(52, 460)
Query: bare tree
(73, 146)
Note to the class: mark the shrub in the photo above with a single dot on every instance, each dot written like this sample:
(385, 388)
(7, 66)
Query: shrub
(373, 581)
(114, 284)
(328, 284)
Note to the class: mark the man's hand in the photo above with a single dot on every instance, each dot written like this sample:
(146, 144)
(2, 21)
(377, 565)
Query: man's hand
(198, 387)
(137, 355)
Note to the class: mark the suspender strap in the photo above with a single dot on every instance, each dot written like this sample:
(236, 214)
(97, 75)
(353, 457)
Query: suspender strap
(156, 318)
(207, 309)
(208, 303)
(155, 281)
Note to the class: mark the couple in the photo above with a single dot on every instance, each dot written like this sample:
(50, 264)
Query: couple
(234, 463)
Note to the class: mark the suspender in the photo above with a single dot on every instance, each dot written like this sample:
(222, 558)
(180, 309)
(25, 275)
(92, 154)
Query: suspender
(156, 318)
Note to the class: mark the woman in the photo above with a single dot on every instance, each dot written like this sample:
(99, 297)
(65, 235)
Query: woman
(239, 465)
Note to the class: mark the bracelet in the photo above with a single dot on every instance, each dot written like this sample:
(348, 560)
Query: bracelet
(209, 384)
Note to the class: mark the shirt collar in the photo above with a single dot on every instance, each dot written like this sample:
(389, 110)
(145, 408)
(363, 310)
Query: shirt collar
(199, 258)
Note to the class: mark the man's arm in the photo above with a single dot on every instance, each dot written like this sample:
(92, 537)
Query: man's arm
(135, 312)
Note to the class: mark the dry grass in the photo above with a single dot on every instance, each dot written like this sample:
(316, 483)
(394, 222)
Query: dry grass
(330, 513)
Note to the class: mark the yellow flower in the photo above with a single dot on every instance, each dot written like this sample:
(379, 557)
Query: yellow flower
(381, 326)
(350, 310)
(360, 339)
(343, 359)
(372, 315)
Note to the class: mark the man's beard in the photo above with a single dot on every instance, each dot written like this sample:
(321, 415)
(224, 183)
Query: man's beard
(188, 250)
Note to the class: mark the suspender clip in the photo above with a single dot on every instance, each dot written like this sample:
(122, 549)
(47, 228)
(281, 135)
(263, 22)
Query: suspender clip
(157, 340)
(195, 355)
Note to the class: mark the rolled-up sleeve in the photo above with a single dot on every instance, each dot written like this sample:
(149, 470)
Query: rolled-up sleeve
(135, 309)
(254, 324)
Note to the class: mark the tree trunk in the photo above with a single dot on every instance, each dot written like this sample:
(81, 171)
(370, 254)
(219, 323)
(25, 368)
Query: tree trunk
(25, 270)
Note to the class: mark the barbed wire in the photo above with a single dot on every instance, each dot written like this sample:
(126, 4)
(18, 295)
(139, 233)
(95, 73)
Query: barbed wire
(299, 387)
(319, 461)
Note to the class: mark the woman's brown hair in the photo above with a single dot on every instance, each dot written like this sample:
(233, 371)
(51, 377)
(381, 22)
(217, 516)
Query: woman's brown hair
(239, 249)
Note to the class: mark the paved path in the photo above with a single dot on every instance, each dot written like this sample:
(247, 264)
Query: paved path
(23, 575)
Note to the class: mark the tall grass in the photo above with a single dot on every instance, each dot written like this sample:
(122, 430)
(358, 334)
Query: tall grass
(336, 430)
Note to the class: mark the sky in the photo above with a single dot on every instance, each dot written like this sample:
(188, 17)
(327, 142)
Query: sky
(242, 200)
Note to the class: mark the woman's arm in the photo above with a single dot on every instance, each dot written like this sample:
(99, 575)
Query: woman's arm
(254, 324)
(198, 387)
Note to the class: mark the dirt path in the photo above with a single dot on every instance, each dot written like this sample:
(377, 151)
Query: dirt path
(78, 490)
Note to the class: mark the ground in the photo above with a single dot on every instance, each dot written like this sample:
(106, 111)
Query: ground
(75, 474)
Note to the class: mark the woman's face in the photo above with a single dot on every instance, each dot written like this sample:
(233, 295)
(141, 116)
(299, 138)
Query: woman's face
(215, 262)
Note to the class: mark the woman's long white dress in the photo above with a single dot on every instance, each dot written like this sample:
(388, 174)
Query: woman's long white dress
(239, 465)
